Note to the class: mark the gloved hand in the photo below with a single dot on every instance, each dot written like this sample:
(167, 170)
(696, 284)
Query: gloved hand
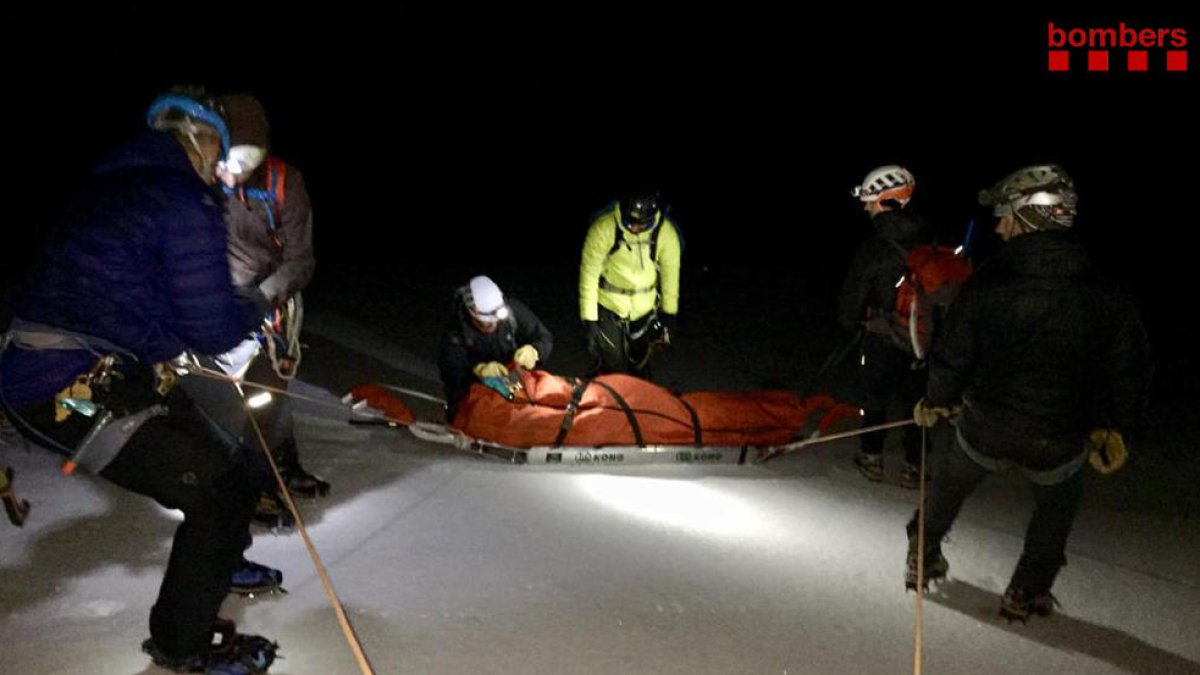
(526, 356)
(670, 324)
(591, 337)
(926, 415)
(498, 385)
(490, 369)
(1108, 452)
(255, 296)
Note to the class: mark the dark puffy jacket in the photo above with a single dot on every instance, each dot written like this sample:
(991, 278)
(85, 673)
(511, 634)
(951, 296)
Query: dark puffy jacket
(869, 288)
(463, 346)
(1040, 350)
(138, 260)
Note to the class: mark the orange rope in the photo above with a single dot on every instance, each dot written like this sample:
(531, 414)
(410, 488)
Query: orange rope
(918, 646)
(347, 630)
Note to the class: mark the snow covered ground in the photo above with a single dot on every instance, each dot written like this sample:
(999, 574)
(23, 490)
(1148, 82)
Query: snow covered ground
(450, 563)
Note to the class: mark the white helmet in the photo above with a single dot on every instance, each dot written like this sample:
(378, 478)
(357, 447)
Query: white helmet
(886, 183)
(485, 302)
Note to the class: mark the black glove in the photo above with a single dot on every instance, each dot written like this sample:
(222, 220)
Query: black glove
(670, 324)
(591, 336)
(254, 306)
(255, 296)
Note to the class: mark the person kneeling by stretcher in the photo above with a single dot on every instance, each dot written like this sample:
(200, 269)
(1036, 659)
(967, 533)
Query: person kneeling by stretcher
(487, 334)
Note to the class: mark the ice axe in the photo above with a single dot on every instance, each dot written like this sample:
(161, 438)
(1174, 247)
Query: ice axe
(17, 509)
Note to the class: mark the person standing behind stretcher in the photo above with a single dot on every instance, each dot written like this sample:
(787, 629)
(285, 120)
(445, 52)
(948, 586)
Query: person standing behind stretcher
(629, 284)
(487, 333)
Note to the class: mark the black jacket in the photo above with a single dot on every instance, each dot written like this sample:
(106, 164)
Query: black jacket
(1040, 350)
(869, 288)
(463, 346)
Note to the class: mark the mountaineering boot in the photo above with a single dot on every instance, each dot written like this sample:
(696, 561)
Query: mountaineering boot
(936, 566)
(1019, 605)
(910, 476)
(231, 653)
(870, 466)
(304, 484)
(271, 512)
(251, 577)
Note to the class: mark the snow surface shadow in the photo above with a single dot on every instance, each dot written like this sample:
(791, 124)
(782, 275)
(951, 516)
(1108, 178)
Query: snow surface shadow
(1065, 633)
(89, 543)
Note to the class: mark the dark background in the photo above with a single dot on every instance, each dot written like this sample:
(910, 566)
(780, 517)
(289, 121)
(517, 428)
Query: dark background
(442, 143)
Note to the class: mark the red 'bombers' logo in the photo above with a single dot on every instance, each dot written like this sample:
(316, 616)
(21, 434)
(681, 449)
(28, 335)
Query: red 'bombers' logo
(1137, 47)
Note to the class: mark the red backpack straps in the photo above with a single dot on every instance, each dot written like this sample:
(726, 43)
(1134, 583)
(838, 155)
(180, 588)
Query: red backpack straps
(277, 183)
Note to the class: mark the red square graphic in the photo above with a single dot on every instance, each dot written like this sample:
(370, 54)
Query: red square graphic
(1097, 60)
(1060, 60)
(1137, 61)
(1177, 60)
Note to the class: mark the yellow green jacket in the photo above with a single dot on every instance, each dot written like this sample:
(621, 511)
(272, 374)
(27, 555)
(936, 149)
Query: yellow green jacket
(631, 268)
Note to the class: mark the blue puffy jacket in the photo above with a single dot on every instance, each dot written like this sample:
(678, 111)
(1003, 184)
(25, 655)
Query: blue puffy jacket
(139, 260)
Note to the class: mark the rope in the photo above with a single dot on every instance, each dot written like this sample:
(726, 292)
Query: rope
(426, 431)
(293, 318)
(343, 621)
(917, 620)
(777, 450)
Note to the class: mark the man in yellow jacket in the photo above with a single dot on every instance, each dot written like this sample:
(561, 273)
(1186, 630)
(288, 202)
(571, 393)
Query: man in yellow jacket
(629, 284)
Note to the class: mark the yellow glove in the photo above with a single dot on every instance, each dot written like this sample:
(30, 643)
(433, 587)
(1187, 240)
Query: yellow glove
(926, 415)
(526, 356)
(490, 369)
(1108, 451)
(78, 389)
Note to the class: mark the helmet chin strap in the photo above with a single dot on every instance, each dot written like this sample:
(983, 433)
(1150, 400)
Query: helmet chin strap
(642, 228)
(208, 167)
(1024, 222)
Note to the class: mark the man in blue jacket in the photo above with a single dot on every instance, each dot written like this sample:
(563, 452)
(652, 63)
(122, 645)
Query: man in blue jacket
(135, 275)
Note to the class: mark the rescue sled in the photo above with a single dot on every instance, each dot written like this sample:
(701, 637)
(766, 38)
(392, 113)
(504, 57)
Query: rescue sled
(536, 417)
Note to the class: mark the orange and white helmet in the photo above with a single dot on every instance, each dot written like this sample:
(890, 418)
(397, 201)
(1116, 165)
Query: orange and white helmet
(886, 183)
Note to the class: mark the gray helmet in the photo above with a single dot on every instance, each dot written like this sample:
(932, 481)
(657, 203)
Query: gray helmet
(1041, 197)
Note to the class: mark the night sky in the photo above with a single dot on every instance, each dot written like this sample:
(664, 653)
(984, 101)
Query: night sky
(435, 142)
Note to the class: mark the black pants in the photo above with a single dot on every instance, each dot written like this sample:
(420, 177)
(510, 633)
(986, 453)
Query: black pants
(222, 403)
(182, 462)
(956, 477)
(887, 375)
(275, 419)
(622, 346)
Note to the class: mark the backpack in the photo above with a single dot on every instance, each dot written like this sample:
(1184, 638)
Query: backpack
(272, 196)
(618, 240)
(932, 279)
